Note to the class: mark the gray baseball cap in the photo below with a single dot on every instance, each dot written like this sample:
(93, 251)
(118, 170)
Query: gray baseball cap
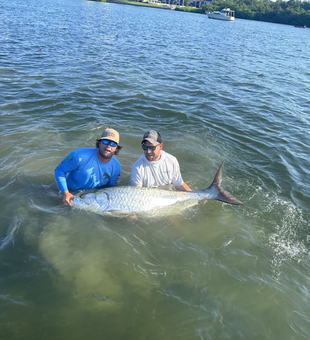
(152, 136)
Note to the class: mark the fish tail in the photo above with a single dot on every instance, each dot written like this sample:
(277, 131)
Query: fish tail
(221, 194)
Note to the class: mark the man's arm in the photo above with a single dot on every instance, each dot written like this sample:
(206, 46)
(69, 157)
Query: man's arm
(66, 166)
(184, 187)
(61, 179)
(178, 178)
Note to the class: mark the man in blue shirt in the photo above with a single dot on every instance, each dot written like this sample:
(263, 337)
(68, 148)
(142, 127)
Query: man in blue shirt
(90, 167)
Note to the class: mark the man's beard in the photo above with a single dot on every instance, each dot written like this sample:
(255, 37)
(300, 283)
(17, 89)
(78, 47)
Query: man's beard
(104, 156)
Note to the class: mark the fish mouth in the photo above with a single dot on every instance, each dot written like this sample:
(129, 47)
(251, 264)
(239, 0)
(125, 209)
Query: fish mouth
(92, 201)
(78, 201)
(84, 200)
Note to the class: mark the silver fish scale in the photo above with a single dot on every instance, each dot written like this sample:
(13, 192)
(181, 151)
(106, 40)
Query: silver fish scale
(139, 199)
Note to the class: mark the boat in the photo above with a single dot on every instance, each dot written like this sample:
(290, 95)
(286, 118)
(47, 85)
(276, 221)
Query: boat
(225, 14)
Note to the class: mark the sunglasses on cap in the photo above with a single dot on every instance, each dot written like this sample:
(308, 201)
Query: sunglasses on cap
(152, 147)
(107, 142)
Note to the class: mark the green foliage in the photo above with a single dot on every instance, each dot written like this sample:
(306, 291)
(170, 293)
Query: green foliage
(189, 9)
(292, 12)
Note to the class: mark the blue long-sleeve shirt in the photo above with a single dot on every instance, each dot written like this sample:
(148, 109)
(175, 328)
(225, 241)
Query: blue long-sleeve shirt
(81, 169)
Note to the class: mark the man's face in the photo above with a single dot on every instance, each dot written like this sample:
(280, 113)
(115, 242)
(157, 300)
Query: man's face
(106, 150)
(152, 155)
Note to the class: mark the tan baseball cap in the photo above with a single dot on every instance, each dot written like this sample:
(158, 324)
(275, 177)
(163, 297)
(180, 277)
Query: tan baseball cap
(110, 134)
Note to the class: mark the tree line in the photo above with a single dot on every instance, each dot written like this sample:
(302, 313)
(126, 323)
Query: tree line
(292, 12)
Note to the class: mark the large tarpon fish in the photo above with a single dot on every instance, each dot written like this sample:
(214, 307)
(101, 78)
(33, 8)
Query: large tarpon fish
(151, 201)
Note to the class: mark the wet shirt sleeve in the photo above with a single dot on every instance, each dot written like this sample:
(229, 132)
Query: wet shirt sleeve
(177, 177)
(70, 163)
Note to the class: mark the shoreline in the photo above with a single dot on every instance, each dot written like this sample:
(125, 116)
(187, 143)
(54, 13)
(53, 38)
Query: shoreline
(160, 6)
(141, 4)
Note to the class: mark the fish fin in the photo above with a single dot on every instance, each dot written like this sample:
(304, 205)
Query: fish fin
(222, 195)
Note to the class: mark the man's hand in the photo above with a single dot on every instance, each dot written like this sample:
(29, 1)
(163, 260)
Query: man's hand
(67, 198)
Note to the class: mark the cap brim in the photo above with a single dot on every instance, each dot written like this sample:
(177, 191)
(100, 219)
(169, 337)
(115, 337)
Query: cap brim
(152, 141)
(111, 139)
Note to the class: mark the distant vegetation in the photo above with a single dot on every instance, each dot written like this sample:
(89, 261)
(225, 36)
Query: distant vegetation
(292, 12)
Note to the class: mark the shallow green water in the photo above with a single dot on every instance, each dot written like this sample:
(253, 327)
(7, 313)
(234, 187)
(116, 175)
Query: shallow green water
(236, 91)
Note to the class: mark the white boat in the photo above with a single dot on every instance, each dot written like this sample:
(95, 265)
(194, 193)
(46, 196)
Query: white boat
(225, 14)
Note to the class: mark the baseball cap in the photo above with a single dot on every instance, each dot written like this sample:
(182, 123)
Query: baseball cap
(110, 134)
(152, 136)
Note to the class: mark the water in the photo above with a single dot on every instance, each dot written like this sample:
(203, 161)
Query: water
(215, 90)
